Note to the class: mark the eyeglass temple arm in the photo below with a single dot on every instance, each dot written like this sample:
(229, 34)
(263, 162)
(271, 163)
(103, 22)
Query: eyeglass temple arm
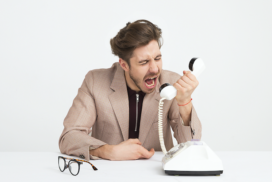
(91, 165)
(82, 161)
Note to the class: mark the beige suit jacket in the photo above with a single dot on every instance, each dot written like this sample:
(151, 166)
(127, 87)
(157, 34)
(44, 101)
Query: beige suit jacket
(99, 115)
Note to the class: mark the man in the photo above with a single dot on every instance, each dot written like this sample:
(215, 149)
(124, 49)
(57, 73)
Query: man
(120, 104)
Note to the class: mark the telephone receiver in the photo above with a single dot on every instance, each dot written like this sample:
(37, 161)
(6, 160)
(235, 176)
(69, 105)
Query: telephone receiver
(192, 157)
(168, 91)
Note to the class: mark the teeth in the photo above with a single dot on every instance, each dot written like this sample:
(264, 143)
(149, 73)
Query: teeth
(152, 78)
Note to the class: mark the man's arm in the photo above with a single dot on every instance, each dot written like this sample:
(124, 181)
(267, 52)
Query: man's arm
(183, 132)
(130, 149)
(75, 138)
(185, 112)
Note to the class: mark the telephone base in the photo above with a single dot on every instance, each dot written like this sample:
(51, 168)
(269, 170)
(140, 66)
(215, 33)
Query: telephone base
(194, 173)
(192, 158)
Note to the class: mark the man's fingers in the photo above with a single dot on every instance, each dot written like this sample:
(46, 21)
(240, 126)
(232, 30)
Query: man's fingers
(190, 75)
(147, 154)
(184, 84)
(134, 141)
(152, 151)
(187, 80)
(179, 87)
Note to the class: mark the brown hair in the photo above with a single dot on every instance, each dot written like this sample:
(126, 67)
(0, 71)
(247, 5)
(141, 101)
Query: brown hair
(136, 34)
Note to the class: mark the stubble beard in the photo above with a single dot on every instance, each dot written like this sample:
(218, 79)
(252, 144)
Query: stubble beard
(137, 83)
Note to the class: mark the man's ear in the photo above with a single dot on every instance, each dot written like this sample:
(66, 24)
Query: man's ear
(123, 64)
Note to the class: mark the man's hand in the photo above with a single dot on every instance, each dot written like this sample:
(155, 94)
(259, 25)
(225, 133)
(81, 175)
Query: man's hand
(185, 87)
(130, 149)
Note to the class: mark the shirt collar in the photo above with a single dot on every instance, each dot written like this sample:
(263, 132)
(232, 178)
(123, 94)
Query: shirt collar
(133, 92)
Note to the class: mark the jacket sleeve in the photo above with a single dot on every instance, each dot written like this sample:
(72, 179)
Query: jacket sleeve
(75, 139)
(184, 133)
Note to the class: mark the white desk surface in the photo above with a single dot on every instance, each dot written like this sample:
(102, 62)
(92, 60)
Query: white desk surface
(43, 166)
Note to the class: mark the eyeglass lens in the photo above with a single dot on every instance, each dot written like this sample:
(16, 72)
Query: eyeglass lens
(61, 164)
(74, 167)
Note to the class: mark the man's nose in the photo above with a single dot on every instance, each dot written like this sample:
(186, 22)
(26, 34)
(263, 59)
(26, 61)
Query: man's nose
(153, 67)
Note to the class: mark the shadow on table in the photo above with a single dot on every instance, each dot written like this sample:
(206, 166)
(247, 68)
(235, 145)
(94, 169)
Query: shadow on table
(56, 170)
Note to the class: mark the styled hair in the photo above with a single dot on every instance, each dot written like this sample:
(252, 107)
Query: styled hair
(134, 35)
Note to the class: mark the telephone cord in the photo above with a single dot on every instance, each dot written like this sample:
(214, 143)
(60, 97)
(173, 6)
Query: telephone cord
(160, 120)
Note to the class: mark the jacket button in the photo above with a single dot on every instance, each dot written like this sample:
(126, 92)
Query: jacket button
(82, 156)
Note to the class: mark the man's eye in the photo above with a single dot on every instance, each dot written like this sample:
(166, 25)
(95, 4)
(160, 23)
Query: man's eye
(158, 59)
(144, 63)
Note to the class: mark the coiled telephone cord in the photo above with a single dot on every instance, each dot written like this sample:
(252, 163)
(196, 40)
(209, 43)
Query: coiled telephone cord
(160, 120)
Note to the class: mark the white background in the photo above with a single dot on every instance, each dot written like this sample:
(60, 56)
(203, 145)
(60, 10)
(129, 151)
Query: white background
(47, 48)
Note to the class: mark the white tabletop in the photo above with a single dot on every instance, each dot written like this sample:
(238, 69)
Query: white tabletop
(43, 166)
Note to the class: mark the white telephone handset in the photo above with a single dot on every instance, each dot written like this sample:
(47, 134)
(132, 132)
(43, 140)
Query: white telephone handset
(168, 91)
(193, 157)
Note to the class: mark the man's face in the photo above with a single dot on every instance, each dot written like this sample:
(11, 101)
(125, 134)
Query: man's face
(145, 67)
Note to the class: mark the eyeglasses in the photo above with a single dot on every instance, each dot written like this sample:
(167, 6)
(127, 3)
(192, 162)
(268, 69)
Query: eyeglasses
(73, 165)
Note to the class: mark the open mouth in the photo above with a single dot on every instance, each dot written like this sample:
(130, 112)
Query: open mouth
(151, 82)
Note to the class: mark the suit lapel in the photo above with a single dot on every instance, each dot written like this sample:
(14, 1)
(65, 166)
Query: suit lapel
(120, 105)
(149, 112)
(119, 100)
